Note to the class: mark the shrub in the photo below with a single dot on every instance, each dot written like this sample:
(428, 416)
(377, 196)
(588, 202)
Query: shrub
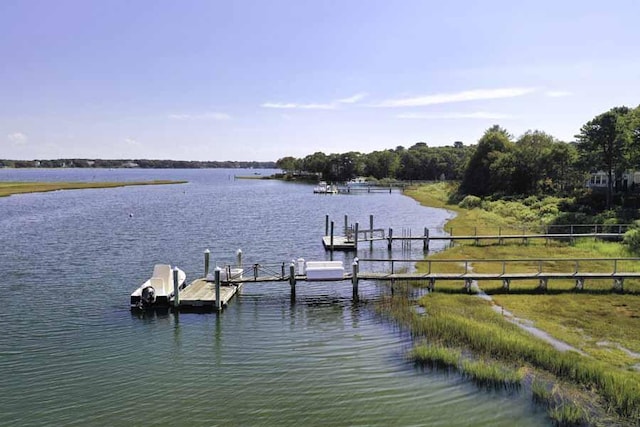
(632, 239)
(470, 202)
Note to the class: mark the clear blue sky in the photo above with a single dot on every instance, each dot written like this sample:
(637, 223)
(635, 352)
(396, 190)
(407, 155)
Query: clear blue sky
(263, 79)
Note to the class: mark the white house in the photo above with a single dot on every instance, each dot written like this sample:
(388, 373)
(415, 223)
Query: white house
(600, 179)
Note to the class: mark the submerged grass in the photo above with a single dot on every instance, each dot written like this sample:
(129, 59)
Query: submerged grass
(10, 188)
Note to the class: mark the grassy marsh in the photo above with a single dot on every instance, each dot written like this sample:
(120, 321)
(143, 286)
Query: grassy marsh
(8, 188)
(601, 324)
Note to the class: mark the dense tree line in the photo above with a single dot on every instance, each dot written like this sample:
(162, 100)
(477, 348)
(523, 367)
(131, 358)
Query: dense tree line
(417, 163)
(536, 163)
(139, 163)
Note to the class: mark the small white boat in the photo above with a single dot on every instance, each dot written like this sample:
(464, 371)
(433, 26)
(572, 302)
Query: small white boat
(324, 188)
(359, 181)
(158, 290)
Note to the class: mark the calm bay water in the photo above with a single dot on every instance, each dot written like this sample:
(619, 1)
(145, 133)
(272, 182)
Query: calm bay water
(72, 353)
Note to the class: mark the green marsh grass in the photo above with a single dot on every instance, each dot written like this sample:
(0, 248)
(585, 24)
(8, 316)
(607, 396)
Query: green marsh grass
(436, 356)
(569, 415)
(10, 188)
(491, 375)
(462, 321)
(597, 321)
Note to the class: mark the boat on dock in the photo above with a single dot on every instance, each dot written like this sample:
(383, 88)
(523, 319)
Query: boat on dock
(324, 188)
(158, 290)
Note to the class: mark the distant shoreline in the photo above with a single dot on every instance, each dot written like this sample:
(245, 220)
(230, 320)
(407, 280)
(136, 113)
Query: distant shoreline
(133, 164)
(9, 188)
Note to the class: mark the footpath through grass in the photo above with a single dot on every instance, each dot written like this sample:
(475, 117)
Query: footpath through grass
(9, 188)
(601, 324)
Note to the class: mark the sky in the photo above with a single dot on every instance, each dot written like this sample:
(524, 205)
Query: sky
(264, 79)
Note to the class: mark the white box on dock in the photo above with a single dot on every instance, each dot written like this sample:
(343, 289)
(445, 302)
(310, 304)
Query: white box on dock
(325, 270)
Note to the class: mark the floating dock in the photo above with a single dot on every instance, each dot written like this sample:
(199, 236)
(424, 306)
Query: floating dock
(201, 294)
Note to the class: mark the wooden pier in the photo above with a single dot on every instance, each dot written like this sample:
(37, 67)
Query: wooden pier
(507, 270)
(354, 235)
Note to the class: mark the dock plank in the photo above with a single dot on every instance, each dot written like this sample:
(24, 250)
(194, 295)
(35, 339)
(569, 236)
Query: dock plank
(202, 293)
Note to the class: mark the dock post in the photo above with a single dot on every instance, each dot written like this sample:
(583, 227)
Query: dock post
(207, 254)
(326, 225)
(355, 242)
(216, 275)
(292, 277)
(176, 288)
(346, 224)
(425, 242)
(354, 276)
(331, 238)
(543, 283)
(239, 256)
(371, 232)
(467, 285)
(390, 238)
(618, 284)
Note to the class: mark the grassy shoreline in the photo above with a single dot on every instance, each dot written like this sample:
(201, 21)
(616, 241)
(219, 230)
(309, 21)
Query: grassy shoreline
(8, 188)
(602, 383)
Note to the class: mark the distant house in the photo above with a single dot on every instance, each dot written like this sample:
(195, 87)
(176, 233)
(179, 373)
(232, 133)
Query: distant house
(600, 180)
(130, 165)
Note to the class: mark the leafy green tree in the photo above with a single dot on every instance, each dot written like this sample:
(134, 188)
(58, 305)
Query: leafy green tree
(532, 153)
(479, 178)
(603, 143)
(288, 164)
(315, 163)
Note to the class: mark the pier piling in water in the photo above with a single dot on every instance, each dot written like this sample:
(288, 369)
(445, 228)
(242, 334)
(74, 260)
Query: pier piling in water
(207, 255)
(292, 277)
(217, 281)
(176, 287)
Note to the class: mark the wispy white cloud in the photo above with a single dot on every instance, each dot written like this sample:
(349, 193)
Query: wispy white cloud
(17, 137)
(200, 116)
(352, 99)
(474, 115)
(292, 105)
(557, 93)
(465, 96)
(315, 106)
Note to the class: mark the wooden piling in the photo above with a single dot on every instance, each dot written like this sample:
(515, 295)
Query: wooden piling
(292, 277)
(239, 257)
(207, 255)
(355, 241)
(390, 238)
(217, 281)
(326, 225)
(425, 242)
(331, 239)
(354, 276)
(176, 288)
(371, 232)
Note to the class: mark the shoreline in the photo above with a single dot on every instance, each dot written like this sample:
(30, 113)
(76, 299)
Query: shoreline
(595, 324)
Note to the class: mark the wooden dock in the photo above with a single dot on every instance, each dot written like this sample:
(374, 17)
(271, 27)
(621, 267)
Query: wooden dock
(507, 270)
(354, 235)
(201, 294)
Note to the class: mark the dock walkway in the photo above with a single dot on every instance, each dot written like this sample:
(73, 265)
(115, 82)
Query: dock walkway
(201, 293)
